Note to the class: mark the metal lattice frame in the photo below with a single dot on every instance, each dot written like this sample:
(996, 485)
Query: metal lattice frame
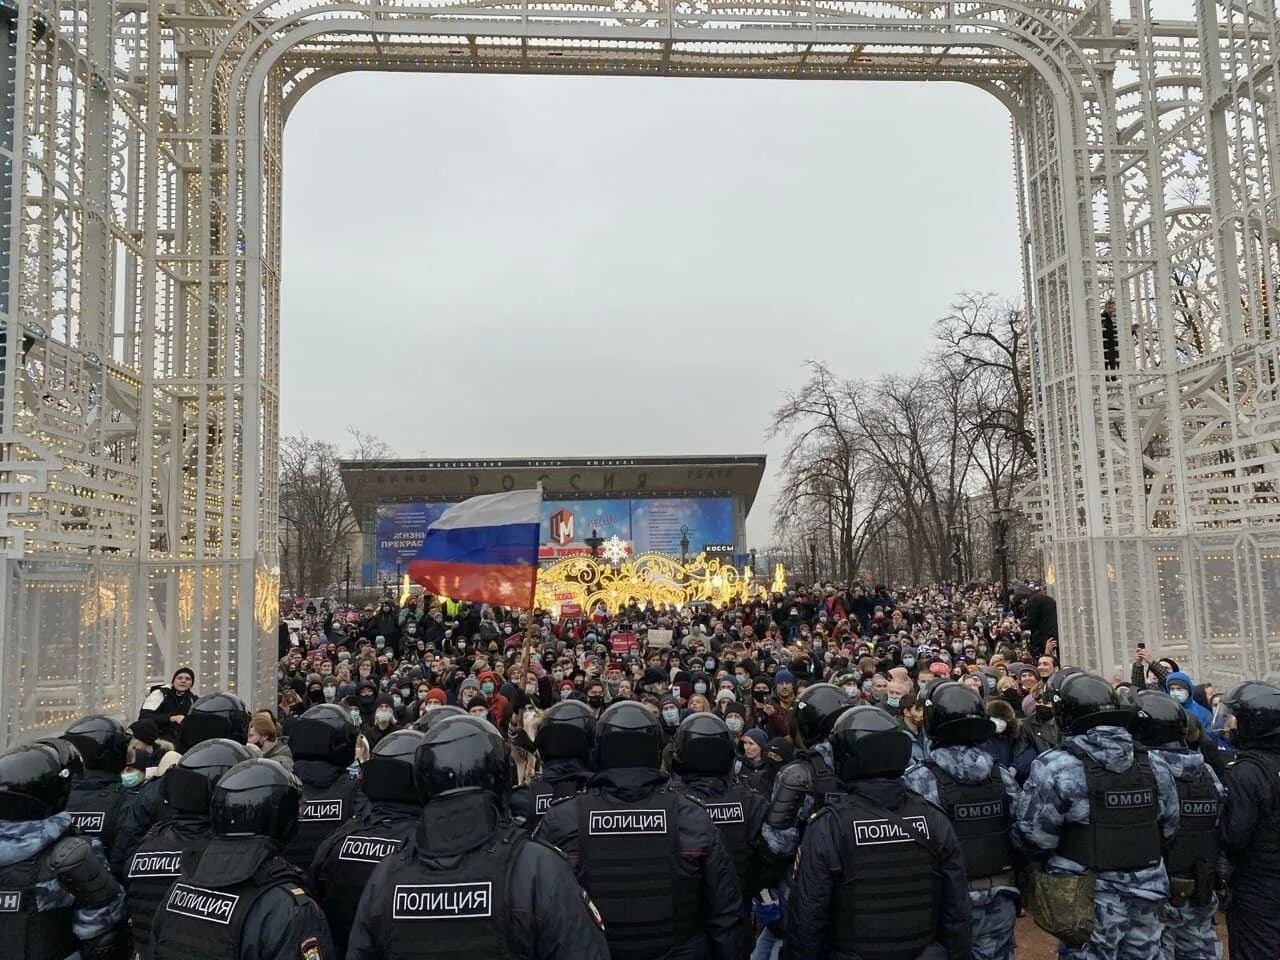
(140, 166)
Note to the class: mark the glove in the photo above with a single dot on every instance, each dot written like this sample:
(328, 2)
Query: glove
(766, 908)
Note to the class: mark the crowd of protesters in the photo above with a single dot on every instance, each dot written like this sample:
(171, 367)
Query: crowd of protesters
(759, 670)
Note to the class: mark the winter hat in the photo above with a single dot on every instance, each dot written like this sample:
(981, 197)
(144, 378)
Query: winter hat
(784, 676)
(436, 695)
(187, 670)
(470, 682)
(759, 736)
(725, 696)
(653, 675)
(145, 731)
(737, 708)
(479, 700)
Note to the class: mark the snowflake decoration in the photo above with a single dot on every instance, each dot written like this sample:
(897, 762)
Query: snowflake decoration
(615, 549)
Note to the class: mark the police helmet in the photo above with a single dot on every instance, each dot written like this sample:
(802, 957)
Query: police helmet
(1084, 701)
(188, 785)
(627, 735)
(462, 753)
(1057, 679)
(68, 755)
(324, 732)
(703, 745)
(257, 797)
(34, 782)
(435, 715)
(817, 708)
(387, 776)
(1158, 720)
(867, 742)
(567, 731)
(954, 715)
(1256, 707)
(213, 716)
(103, 742)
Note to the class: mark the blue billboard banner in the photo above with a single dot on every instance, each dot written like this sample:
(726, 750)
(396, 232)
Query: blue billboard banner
(400, 530)
(647, 526)
(656, 525)
(567, 523)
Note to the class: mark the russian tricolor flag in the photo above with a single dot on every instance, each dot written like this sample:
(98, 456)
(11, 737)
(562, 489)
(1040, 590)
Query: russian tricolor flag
(484, 550)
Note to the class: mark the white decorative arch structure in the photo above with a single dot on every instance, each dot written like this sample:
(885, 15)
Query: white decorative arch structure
(140, 172)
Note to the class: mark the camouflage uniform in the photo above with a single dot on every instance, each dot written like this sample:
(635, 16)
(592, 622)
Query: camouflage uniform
(996, 909)
(1188, 930)
(1127, 902)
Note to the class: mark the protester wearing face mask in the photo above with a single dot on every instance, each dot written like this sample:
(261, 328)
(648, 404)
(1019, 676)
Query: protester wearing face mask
(1039, 727)
(381, 722)
(1008, 747)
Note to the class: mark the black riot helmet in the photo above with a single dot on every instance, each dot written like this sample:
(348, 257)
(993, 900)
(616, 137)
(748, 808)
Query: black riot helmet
(867, 742)
(214, 716)
(68, 755)
(387, 776)
(324, 732)
(1158, 720)
(567, 731)
(628, 735)
(816, 710)
(256, 798)
(103, 742)
(462, 753)
(955, 716)
(1057, 679)
(188, 785)
(432, 716)
(703, 745)
(34, 782)
(1256, 707)
(1085, 701)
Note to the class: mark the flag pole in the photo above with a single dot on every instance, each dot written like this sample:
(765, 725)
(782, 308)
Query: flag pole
(528, 633)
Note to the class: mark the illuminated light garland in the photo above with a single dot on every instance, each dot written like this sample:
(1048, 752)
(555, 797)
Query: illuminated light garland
(650, 578)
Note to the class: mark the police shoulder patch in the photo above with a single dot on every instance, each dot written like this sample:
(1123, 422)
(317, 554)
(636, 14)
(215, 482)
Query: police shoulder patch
(309, 949)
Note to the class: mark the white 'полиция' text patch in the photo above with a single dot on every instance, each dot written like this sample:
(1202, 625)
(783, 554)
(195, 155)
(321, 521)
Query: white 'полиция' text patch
(321, 810)
(726, 812)
(442, 901)
(88, 821)
(869, 833)
(620, 823)
(368, 849)
(201, 903)
(156, 863)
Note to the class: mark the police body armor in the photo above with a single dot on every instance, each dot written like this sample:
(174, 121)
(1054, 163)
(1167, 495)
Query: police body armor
(630, 856)
(203, 923)
(543, 793)
(887, 904)
(25, 931)
(453, 914)
(1197, 837)
(979, 812)
(95, 810)
(354, 852)
(322, 811)
(152, 870)
(1122, 832)
(728, 811)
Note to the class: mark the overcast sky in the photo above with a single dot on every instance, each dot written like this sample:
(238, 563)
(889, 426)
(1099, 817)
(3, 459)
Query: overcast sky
(546, 266)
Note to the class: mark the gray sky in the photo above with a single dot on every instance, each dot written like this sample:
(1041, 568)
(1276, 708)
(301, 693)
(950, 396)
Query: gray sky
(520, 266)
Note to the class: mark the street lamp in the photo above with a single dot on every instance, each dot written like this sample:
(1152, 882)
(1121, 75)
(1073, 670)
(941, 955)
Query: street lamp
(684, 544)
(594, 541)
(348, 573)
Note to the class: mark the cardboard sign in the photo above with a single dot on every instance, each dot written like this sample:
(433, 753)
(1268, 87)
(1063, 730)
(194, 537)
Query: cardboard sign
(623, 641)
(658, 639)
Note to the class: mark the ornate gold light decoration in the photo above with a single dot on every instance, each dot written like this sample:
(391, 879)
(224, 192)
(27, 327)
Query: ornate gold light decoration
(648, 578)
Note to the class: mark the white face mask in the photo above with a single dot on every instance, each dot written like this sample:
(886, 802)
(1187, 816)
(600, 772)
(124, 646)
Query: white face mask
(1180, 694)
(1000, 724)
(382, 717)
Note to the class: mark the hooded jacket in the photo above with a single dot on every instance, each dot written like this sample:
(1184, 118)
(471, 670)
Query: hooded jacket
(1202, 715)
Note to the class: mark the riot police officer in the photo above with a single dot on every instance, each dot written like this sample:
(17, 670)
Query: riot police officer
(976, 794)
(1099, 803)
(238, 899)
(346, 858)
(436, 714)
(651, 858)
(215, 716)
(564, 748)
(1250, 827)
(703, 763)
(98, 798)
(802, 783)
(470, 882)
(1160, 724)
(57, 895)
(187, 789)
(880, 874)
(323, 742)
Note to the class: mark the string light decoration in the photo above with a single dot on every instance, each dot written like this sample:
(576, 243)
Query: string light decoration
(615, 550)
(650, 578)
